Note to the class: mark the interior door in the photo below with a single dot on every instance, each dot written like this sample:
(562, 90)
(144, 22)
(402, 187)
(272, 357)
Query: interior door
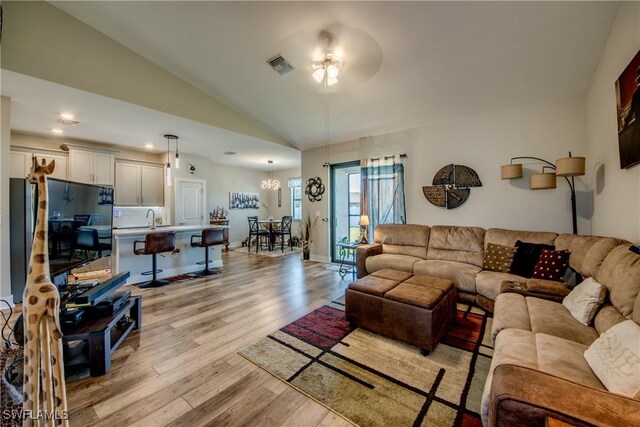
(189, 202)
(345, 207)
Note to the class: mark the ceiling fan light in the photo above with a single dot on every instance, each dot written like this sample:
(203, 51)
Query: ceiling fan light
(318, 75)
(332, 71)
(331, 81)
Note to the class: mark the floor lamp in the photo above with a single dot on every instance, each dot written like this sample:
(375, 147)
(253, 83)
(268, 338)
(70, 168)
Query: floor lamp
(566, 167)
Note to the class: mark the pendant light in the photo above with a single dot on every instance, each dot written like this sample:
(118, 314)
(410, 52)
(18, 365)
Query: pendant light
(168, 167)
(270, 184)
(177, 160)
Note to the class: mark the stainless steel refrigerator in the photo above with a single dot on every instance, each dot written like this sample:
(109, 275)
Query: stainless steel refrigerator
(22, 216)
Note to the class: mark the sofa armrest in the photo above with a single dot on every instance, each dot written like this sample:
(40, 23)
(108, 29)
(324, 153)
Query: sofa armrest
(527, 397)
(547, 289)
(362, 253)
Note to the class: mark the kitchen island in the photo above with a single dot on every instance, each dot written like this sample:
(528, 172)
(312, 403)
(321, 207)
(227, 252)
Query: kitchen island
(184, 259)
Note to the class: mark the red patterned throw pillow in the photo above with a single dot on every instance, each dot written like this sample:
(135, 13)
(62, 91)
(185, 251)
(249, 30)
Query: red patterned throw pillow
(551, 265)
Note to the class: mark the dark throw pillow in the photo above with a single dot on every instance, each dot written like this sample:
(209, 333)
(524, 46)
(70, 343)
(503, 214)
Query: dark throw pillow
(526, 257)
(571, 278)
(498, 258)
(551, 265)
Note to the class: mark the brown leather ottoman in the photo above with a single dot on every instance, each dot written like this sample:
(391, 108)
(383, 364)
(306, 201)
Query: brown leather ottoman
(415, 309)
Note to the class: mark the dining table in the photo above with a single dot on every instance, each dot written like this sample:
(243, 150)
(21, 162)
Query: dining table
(270, 225)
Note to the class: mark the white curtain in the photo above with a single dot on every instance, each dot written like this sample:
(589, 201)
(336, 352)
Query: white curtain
(383, 190)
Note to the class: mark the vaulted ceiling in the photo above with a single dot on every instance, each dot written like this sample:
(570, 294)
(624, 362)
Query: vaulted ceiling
(406, 64)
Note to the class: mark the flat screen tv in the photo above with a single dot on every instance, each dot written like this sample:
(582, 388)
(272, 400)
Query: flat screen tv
(80, 224)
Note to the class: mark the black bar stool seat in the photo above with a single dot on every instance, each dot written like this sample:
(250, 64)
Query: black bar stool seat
(155, 243)
(209, 237)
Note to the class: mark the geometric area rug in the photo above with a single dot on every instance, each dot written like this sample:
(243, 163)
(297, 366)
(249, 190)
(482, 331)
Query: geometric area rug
(375, 381)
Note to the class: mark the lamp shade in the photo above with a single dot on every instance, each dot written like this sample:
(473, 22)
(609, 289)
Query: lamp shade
(542, 181)
(511, 171)
(364, 220)
(570, 166)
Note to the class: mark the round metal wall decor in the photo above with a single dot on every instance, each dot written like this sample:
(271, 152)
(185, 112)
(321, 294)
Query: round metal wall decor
(451, 186)
(314, 189)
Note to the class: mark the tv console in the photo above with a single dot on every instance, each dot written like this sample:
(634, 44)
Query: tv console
(91, 341)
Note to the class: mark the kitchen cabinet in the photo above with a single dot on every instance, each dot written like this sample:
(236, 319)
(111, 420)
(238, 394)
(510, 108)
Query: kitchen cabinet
(127, 184)
(152, 185)
(139, 184)
(21, 163)
(91, 167)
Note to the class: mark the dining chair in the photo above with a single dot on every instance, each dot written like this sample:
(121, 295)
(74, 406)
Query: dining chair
(255, 230)
(285, 230)
(88, 240)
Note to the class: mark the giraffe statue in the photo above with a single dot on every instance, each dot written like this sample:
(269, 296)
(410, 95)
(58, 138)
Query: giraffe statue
(43, 363)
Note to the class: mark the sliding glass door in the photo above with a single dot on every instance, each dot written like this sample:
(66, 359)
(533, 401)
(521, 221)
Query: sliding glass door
(345, 206)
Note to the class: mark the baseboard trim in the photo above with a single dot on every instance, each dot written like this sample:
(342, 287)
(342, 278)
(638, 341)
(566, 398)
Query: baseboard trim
(320, 258)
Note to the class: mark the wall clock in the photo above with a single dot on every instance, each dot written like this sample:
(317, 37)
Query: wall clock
(314, 189)
(451, 186)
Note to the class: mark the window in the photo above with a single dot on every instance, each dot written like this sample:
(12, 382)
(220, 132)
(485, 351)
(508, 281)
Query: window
(295, 184)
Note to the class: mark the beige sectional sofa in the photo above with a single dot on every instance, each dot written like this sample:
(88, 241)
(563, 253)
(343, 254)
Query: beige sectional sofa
(456, 253)
(538, 370)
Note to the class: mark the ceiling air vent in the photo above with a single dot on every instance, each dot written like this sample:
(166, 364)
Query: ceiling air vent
(68, 122)
(280, 65)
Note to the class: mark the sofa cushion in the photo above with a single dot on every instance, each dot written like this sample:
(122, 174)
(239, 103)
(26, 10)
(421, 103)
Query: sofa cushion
(461, 274)
(510, 237)
(552, 318)
(373, 285)
(551, 265)
(635, 316)
(514, 311)
(615, 359)
(510, 312)
(620, 273)
(564, 359)
(526, 257)
(607, 317)
(403, 239)
(586, 252)
(460, 244)
(584, 300)
(498, 258)
(394, 262)
(488, 282)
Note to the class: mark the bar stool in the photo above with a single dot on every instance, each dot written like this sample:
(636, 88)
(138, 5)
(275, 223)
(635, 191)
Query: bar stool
(155, 243)
(209, 237)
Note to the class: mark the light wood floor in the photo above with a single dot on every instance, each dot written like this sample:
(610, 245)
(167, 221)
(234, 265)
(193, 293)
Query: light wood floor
(182, 368)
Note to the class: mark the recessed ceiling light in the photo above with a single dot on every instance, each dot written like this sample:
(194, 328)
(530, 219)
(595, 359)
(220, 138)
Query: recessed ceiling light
(229, 153)
(148, 146)
(58, 131)
(67, 116)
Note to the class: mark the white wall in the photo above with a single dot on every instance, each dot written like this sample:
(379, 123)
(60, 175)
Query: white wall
(5, 142)
(484, 142)
(222, 179)
(285, 208)
(617, 191)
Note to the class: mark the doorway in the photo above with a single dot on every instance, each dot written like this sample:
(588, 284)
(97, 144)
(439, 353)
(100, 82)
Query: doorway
(190, 202)
(345, 207)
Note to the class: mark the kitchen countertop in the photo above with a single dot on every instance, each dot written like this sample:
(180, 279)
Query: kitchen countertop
(137, 231)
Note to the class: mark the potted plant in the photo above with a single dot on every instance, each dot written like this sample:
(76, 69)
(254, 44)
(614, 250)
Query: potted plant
(306, 235)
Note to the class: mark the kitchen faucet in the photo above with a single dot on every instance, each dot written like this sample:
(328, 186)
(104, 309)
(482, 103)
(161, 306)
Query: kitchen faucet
(153, 218)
